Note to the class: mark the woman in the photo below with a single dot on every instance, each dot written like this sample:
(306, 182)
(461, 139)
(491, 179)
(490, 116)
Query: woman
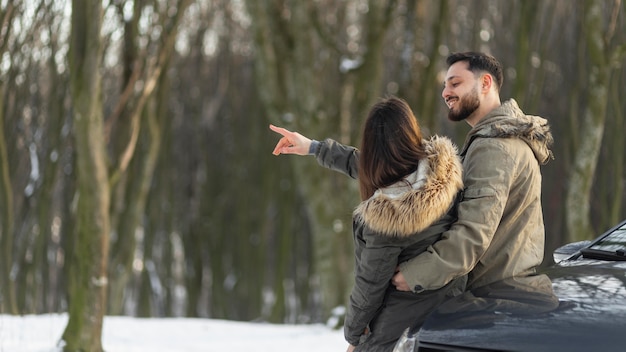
(408, 188)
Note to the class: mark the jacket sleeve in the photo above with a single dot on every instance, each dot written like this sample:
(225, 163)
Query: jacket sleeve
(376, 262)
(488, 171)
(336, 156)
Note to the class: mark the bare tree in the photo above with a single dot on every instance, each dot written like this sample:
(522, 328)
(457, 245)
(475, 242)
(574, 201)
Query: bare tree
(88, 264)
(603, 57)
(143, 67)
(203, 220)
(7, 218)
(289, 57)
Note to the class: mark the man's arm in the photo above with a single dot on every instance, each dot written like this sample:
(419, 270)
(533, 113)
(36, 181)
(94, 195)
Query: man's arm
(479, 214)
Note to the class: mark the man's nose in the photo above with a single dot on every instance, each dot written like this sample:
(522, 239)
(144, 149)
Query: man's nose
(445, 93)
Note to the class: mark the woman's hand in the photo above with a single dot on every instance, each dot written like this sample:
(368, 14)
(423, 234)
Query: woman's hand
(291, 142)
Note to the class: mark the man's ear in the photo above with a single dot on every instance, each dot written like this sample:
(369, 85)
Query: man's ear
(486, 82)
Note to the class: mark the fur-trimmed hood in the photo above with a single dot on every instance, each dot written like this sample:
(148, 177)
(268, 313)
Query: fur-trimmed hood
(421, 198)
(509, 121)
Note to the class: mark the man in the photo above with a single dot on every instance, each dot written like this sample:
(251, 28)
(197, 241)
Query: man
(500, 231)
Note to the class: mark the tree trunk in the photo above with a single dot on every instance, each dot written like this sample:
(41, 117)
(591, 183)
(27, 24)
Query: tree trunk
(131, 188)
(430, 96)
(8, 303)
(528, 16)
(578, 201)
(288, 74)
(6, 220)
(88, 264)
(615, 194)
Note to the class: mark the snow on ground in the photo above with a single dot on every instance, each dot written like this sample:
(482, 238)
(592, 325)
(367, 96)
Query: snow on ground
(41, 333)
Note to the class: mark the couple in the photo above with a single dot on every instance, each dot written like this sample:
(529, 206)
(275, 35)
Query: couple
(410, 229)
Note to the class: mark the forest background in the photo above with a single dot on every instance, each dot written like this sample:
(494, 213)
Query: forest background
(136, 175)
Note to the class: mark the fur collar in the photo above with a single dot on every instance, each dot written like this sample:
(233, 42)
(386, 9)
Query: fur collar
(415, 202)
(509, 121)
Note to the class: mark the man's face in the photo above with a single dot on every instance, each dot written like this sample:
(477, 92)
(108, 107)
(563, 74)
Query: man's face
(460, 92)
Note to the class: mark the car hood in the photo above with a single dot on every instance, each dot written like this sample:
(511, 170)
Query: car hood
(578, 306)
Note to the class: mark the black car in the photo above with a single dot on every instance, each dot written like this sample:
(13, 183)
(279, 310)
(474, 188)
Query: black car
(578, 304)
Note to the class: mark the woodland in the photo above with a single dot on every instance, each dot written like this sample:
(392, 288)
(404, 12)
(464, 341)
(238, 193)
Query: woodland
(136, 174)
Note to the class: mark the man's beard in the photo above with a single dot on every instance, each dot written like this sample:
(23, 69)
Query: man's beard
(467, 105)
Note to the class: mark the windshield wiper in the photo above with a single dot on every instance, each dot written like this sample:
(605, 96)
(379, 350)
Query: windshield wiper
(618, 255)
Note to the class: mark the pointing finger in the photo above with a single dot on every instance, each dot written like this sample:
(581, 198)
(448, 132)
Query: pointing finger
(281, 130)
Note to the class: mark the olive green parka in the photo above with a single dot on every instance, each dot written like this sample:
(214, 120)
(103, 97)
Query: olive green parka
(500, 228)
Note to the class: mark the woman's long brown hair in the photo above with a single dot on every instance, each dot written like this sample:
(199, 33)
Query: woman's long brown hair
(391, 145)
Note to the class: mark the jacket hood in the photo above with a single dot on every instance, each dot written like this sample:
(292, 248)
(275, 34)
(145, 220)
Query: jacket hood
(421, 198)
(508, 121)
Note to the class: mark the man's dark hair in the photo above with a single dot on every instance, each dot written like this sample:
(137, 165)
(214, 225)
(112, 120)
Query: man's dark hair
(479, 62)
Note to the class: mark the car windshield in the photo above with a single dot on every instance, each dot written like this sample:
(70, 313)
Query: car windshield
(610, 247)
